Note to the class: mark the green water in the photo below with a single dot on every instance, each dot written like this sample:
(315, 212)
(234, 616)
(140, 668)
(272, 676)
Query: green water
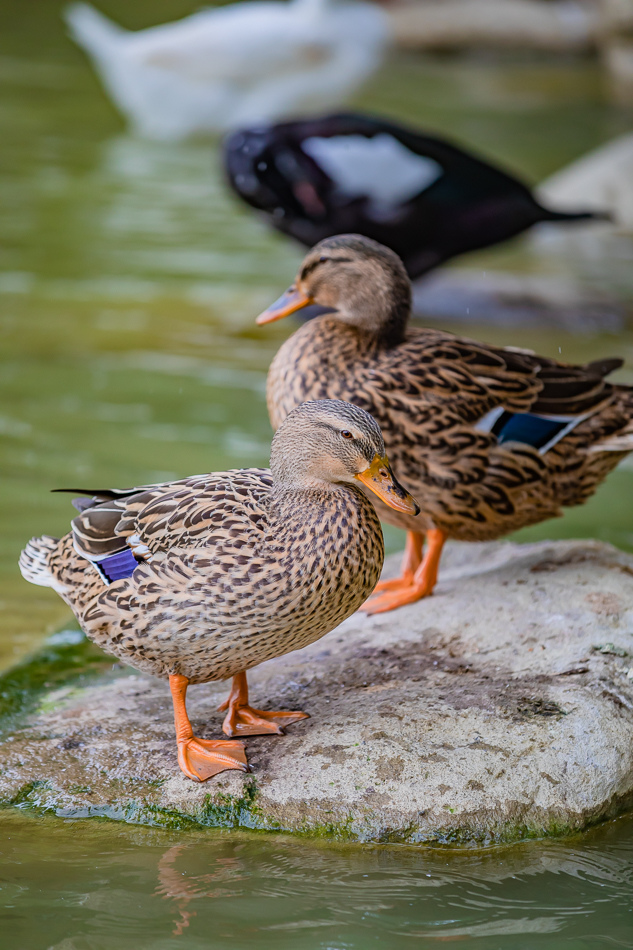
(129, 280)
(79, 885)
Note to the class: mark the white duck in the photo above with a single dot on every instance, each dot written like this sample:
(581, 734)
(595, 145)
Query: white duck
(235, 65)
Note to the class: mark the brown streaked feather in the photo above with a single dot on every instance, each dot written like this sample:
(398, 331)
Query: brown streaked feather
(194, 510)
(99, 529)
(94, 530)
(429, 392)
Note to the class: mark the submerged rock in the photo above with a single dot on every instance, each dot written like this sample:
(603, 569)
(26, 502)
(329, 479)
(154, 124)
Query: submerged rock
(500, 708)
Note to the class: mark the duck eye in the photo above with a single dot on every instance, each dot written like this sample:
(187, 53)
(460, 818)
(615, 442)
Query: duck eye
(323, 260)
(347, 434)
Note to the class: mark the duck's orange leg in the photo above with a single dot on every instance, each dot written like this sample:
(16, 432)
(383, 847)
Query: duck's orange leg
(201, 758)
(242, 720)
(411, 587)
(410, 563)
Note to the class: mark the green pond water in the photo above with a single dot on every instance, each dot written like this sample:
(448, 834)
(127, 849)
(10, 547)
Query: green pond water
(91, 885)
(129, 281)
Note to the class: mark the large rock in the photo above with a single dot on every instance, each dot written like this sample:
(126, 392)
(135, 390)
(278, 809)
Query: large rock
(595, 256)
(500, 708)
(602, 180)
(493, 297)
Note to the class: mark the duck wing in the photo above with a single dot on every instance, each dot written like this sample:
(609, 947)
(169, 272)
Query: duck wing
(206, 510)
(574, 390)
(209, 45)
(244, 42)
(460, 375)
(158, 518)
(239, 43)
(441, 382)
(100, 509)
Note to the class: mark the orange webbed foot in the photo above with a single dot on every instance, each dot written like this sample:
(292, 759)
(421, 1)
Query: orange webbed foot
(396, 583)
(200, 759)
(242, 720)
(400, 593)
(246, 721)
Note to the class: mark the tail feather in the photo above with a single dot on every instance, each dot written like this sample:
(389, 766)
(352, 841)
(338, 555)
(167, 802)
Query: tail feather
(562, 216)
(91, 29)
(35, 561)
(621, 441)
(604, 367)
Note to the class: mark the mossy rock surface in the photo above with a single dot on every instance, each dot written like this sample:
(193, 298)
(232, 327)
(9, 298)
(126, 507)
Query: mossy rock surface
(499, 709)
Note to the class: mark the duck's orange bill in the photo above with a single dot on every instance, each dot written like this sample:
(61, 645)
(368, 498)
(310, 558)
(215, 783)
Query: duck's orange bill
(289, 302)
(382, 482)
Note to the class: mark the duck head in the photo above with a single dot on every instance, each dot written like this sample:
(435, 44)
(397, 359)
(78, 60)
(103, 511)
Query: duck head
(357, 280)
(331, 442)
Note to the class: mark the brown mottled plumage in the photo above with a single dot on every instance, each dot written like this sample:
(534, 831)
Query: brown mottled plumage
(234, 567)
(435, 396)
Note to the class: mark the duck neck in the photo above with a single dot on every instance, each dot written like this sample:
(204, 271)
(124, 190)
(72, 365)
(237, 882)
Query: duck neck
(382, 320)
(299, 501)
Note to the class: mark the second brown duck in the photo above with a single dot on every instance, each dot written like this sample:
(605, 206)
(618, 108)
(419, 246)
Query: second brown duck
(489, 439)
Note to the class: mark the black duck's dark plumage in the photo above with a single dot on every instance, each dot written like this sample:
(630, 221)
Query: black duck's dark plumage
(422, 196)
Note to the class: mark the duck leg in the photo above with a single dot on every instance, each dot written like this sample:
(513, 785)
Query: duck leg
(242, 720)
(201, 758)
(413, 585)
(410, 563)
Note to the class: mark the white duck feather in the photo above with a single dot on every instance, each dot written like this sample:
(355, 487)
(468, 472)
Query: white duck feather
(250, 62)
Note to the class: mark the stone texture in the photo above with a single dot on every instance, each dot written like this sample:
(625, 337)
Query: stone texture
(566, 301)
(601, 180)
(595, 257)
(500, 708)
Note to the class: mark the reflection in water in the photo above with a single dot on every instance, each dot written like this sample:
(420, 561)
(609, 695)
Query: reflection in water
(177, 886)
(102, 885)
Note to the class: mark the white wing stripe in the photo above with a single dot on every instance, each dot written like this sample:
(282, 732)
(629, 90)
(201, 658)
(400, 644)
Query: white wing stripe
(379, 168)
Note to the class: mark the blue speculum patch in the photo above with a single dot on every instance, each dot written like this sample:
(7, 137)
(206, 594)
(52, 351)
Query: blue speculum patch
(527, 428)
(117, 566)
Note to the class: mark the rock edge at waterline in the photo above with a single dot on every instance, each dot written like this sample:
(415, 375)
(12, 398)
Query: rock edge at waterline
(501, 708)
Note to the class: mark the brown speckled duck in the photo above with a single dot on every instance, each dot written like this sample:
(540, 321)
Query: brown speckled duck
(489, 439)
(203, 578)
